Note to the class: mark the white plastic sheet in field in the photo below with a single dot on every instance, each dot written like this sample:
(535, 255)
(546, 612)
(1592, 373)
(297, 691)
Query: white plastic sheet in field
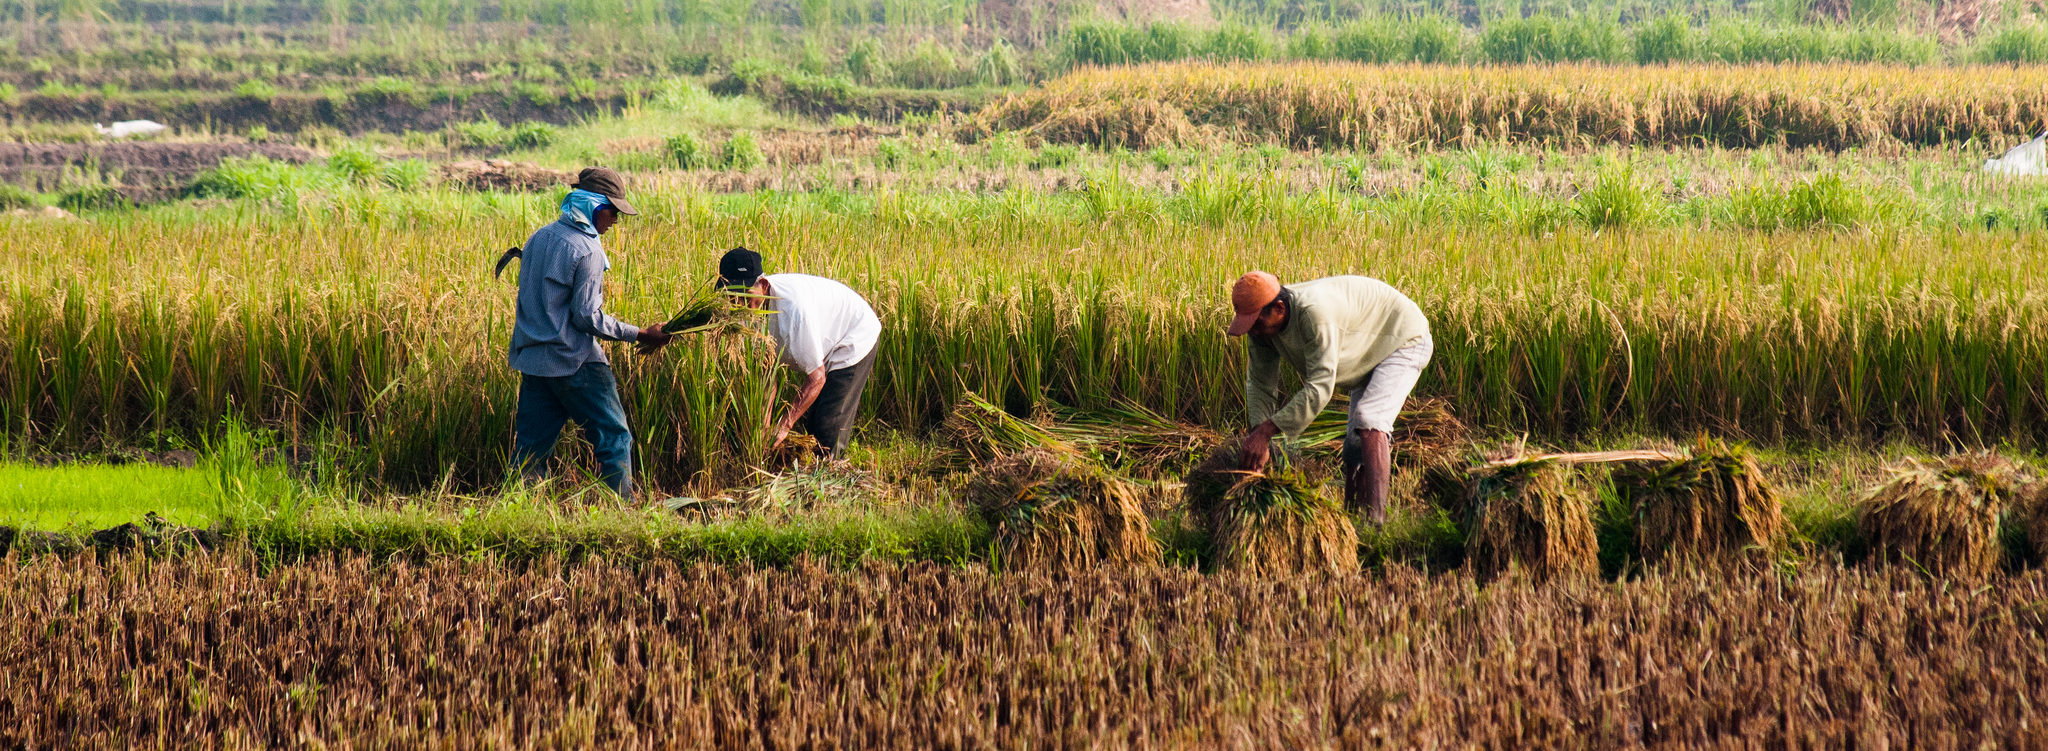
(2030, 158)
(130, 129)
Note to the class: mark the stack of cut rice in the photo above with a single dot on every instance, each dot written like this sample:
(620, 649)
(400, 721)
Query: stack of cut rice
(1275, 522)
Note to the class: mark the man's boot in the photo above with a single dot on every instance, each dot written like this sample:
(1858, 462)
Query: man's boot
(1368, 473)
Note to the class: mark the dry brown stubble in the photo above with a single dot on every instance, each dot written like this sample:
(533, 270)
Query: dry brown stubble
(229, 651)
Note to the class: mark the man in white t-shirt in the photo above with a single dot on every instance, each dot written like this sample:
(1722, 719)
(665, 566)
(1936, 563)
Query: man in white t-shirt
(826, 331)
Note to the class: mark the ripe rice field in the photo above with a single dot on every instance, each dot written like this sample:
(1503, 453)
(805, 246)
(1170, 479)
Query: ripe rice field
(223, 651)
(1310, 105)
(388, 339)
(1733, 433)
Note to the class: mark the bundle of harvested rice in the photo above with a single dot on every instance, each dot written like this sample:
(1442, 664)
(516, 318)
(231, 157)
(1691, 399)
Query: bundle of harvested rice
(1135, 439)
(1053, 505)
(1715, 503)
(1427, 434)
(1942, 517)
(715, 311)
(1058, 510)
(1276, 522)
(983, 432)
(1532, 515)
(794, 450)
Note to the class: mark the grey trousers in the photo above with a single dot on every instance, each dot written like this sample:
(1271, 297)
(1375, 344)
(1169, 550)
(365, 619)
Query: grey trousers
(831, 417)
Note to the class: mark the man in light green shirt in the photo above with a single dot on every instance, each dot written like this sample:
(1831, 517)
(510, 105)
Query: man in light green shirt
(1349, 333)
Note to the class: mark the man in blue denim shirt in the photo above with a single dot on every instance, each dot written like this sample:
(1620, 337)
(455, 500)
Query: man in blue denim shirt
(554, 336)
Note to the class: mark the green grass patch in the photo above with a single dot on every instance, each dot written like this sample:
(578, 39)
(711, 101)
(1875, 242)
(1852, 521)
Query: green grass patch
(88, 497)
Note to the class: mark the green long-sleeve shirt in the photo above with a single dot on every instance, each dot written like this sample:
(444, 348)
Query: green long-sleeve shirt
(1338, 329)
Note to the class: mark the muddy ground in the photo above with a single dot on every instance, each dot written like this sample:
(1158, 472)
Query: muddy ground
(145, 171)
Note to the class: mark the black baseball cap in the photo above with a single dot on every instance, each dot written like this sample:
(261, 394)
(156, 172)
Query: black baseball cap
(739, 268)
(606, 182)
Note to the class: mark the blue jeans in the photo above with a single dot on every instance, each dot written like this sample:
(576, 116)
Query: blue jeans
(590, 396)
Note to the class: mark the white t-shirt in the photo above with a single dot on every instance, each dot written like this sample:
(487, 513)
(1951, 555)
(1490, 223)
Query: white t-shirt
(818, 321)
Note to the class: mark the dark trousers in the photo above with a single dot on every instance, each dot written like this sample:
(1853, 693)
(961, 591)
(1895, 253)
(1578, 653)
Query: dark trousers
(831, 417)
(590, 397)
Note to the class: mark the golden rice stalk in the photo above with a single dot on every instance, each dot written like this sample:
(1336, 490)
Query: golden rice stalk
(1716, 503)
(1273, 523)
(1534, 516)
(714, 311)
(1137, 440)
(1942, 516)
(1428, 433)
(1318, 105)
(985, 433)
(1060, 511)
(795, 448)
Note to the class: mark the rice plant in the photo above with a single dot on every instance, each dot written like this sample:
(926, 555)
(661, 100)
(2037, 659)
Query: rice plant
(1365, 107)
(391, 334)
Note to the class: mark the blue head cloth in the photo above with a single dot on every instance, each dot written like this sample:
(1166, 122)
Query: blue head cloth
(580, 205)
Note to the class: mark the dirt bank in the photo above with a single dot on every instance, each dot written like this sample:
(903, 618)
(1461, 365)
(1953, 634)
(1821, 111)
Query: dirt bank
(146, 171)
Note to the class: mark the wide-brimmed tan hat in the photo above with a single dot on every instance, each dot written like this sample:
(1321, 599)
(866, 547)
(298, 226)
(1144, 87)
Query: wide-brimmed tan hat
(1251, 294)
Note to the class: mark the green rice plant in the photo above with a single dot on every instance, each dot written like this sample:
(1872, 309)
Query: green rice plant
(1552, 39)
(1233, 42)
(255, 88)
(740, 152)
(16, 197)
(1667, 39)
(2019, 43)
(867, 64)
(531, 136)
(481, 134)
(1055, 155)
(927, 66)
(356, 164)
(260, 178)
(406, 175)
(94, 198)
(685, 151)
(999, 65)
(1616, 199)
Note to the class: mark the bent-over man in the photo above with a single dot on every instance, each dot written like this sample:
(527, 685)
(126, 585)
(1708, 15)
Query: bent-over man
(826, 331)
(1348, 333)
(560, 318)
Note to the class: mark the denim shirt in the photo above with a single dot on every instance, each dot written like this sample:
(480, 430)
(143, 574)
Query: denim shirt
(561, 304)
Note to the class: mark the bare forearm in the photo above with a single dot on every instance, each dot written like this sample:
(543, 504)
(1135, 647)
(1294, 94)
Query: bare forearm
(806, 395)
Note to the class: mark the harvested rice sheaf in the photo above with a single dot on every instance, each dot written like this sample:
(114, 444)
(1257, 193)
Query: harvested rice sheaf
(1942, 516)
(1535, 516)
(1277, 522)
(1429, 433)
(1053, 505)
(982, 432)
(794, 450)
(1713, 504)
(715, 312)
(1059, 510)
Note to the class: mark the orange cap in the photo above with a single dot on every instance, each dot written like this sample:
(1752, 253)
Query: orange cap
(1251, 294)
